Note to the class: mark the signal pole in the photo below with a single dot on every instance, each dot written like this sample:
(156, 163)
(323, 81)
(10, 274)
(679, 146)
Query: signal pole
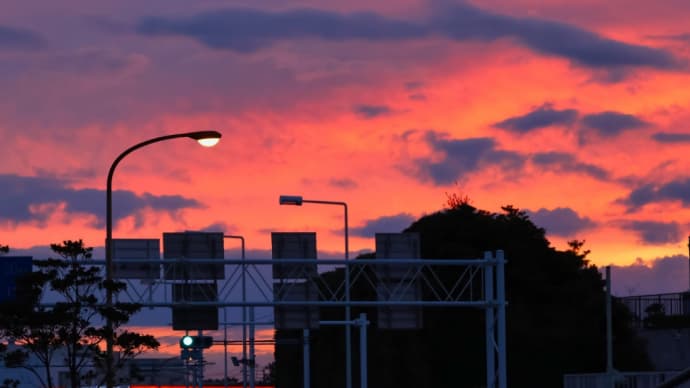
(192, 352)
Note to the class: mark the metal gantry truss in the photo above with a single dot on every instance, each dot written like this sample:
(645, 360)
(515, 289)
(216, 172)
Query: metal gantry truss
(443, 283)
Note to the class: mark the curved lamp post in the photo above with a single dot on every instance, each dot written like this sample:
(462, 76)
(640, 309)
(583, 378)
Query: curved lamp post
(206, 139)
(297, 200)
(244, 321)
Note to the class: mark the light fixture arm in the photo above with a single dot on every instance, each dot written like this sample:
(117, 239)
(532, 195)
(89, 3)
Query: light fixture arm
(344, 205)
(198, 135)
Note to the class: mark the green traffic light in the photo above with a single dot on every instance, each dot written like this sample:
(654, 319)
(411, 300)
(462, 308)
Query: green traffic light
(187, 341)
(196, 342)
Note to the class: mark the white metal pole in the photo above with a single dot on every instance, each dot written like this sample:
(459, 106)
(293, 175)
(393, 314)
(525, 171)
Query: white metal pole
(244, 309)
(225, 347)
(200, 365)
(244, 318)
(306, 359)
(363, 373)
(348, 316)
(252, 358)
(187, 371)
(489, 324)
(348, 313)
(501, 297)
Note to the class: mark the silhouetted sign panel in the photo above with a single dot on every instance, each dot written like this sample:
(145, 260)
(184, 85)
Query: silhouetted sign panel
(296, 317)
(397, 282)
(191, 246)
(396, 246)
(190, 317)
(136, 249)
(399, 317)
(286, 280)
(293, 245)
(12, 267)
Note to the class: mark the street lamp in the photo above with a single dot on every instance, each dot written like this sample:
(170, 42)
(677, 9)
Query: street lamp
(244, 319)
(297, 200)
(206, 139)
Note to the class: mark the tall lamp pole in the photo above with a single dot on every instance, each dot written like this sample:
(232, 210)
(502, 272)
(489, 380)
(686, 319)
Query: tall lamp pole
(244, 320)
(297, 200)
(206, 139)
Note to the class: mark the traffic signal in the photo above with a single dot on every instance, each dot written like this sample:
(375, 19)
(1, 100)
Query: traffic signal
(196, 342)
(191, 354)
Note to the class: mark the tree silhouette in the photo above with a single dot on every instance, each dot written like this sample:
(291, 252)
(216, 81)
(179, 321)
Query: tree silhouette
(69, 324)
(556, 310)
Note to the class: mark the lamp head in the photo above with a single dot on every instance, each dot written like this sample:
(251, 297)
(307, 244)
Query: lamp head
(295, 200)
(206, 138)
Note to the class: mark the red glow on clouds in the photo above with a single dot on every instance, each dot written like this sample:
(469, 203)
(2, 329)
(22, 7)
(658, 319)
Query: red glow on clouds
(345, 120)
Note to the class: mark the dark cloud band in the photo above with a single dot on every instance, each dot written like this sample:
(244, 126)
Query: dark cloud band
(464, 21)
(666, 137)
(385, 224)
(562, 162)
(248, 30)
(372, 111)
(561, 221)
(542, 117)
(14, 38)
(660, 275)
(655, 232)
(612, 123)
(462, 157)
(606, 123)
(678, 190)
(27, 199)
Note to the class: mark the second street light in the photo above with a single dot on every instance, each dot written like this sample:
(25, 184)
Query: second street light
(297, 200)
(206, 139)
(244, 320)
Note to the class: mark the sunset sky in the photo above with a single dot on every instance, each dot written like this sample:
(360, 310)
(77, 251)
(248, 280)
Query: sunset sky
(576, 111)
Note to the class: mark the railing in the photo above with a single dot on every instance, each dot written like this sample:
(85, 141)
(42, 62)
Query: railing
(669, 304)
(621, 380)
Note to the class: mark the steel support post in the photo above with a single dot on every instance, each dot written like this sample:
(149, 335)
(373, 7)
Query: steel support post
(490, 323)
(306, 360)
(225, 347)
(501, 300)
(363, 372)
(252, 356)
